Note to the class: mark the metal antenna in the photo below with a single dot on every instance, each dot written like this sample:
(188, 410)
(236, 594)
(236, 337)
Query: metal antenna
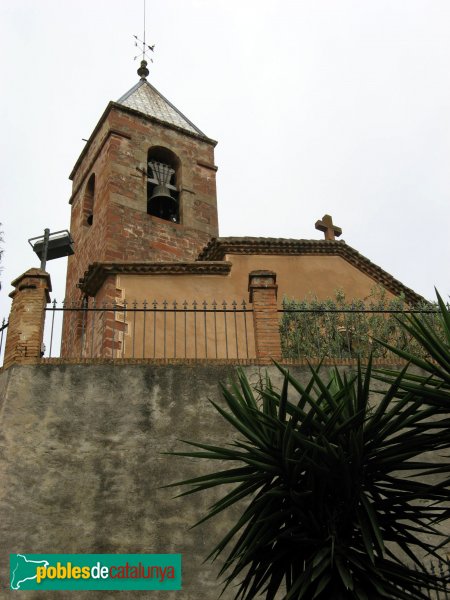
(145, 47)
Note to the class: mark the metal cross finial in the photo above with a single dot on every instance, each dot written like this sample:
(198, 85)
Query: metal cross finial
(326, 225)
(143, 71)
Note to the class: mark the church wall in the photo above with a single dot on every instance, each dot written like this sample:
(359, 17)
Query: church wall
(90, 334)
(196, 173)
(305, 277)
(169, 335)
(82, 465)
(87, 158)
(177, 336)
(299, 277)
(89, 239)
(121, 229)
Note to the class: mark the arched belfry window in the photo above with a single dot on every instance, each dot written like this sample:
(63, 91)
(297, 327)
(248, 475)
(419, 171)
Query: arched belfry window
(162, 184)
(88, 201)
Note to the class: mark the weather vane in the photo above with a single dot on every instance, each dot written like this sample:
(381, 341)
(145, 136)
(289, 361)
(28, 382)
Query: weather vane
(143, 46)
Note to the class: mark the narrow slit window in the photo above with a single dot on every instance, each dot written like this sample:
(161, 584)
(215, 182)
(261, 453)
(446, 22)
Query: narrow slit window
(88, 201)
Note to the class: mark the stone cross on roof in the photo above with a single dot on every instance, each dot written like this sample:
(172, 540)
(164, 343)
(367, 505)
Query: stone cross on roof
(326, 225)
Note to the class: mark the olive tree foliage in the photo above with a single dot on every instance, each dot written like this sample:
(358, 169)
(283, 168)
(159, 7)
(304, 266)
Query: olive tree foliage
(340, 328)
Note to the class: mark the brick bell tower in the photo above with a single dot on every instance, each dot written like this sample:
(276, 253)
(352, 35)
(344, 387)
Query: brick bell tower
(144, 188)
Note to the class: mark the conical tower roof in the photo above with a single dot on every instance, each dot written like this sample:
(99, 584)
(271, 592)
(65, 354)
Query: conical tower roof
(146, 99)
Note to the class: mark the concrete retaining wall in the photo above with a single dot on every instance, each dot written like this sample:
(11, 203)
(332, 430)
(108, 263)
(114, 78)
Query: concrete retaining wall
(81, 466)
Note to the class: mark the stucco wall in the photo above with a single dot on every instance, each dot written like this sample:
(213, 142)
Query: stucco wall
(299, 277)
(81, 465)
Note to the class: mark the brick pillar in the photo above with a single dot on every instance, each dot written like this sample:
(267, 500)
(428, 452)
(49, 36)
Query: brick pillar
(263, 295)
(26, 320)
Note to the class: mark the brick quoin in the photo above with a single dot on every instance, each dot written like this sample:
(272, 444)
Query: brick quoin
(263, 294)
(26, 320)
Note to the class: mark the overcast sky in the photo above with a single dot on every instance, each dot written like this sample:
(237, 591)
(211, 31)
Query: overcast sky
(319, 106)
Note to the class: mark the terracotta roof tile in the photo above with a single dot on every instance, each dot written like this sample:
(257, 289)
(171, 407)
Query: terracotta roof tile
(218, 248)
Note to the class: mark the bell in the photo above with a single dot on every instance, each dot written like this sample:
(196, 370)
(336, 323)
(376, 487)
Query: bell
(162, 205)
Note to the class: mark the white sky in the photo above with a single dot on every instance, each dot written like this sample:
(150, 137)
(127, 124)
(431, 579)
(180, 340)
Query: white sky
(319, 106)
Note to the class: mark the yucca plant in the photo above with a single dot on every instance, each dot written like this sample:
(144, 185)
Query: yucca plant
(339, 501)
(432, 382)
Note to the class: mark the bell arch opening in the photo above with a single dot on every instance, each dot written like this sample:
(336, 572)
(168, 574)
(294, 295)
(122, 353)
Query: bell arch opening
(162, 184)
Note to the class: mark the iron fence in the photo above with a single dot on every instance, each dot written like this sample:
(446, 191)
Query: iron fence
(157, 329)
(354, 332)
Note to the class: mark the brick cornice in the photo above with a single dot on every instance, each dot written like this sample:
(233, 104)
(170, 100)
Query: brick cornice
(32, 279)
(98, 272)
(217, 248)
(152, 119)
(195, 362)
(207, 166)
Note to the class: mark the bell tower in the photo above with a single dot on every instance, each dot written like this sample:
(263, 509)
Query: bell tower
(144, 188)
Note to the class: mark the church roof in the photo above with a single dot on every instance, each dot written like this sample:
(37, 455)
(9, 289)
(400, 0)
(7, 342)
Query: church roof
(218, 248)
(146, 99)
